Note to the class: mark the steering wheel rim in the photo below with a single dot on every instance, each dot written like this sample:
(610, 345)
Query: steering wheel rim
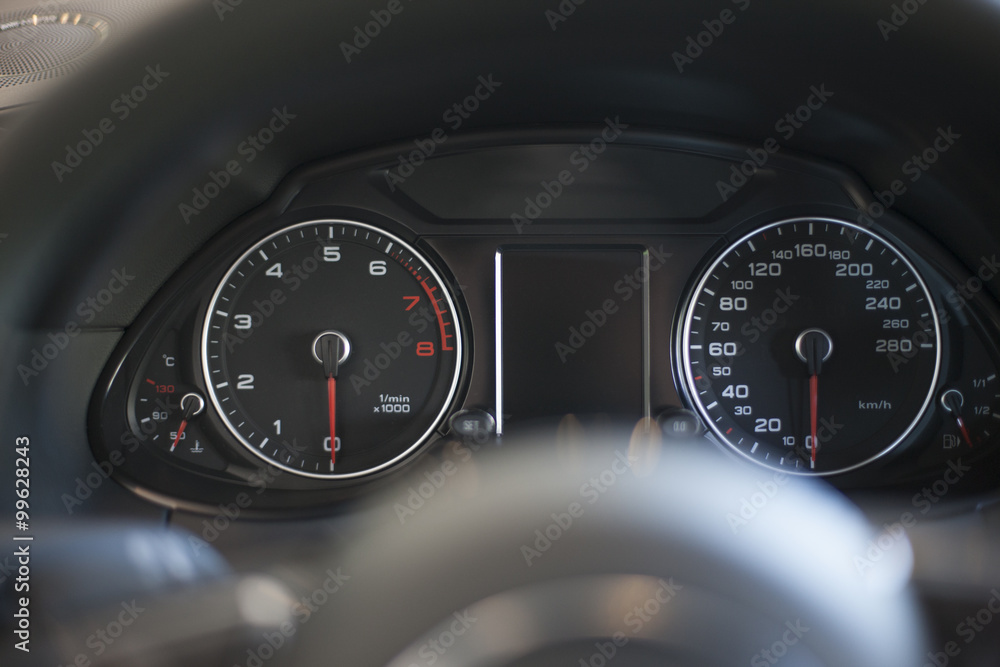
(790, 555)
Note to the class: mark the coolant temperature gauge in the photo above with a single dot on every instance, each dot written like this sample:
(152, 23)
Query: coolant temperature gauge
(165, 411)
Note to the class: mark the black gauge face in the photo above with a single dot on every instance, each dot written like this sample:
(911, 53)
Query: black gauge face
(157, 418)
(331, 349)
(810, 346)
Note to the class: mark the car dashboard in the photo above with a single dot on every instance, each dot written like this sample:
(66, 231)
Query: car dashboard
(608, 324)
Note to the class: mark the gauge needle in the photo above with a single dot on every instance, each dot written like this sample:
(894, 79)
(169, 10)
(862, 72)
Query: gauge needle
(963, 429)
(953, 403)
(330, 354)
(188, 413)
(331, 391)
(813, 347)
(813, 409)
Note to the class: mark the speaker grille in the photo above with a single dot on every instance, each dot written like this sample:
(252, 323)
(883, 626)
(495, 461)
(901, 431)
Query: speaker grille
(59, 37)
(38, 47)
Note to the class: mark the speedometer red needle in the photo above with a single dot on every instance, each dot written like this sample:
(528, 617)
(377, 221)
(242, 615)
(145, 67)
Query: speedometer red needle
(813, 346)
(813, 409)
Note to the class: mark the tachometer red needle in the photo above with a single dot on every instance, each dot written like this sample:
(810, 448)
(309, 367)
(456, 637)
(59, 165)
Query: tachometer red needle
(329, 345)
(331, 390)
(813, 409)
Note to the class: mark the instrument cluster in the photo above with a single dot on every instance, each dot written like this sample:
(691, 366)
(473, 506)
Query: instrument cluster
(328, 340)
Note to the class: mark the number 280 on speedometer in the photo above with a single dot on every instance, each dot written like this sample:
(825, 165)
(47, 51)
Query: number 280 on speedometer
(810, 346)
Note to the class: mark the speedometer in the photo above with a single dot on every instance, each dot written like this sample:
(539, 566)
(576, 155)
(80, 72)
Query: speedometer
(331, 349)
(810, 346)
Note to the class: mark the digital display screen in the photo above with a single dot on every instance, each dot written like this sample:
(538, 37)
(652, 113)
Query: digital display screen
(571, 333)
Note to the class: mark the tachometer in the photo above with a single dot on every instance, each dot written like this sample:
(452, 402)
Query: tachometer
(331, 349)
(810, 346)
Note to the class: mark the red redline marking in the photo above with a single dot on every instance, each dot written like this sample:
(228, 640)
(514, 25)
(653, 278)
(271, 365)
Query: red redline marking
(438, 312)
(406, 265)
(150, 381)
(730, 430)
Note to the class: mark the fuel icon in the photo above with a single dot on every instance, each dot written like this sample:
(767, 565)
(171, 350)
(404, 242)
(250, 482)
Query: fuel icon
(953, 403)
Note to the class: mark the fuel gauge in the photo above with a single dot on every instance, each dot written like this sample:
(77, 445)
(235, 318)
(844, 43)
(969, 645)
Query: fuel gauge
(972, 411)
(968, 406)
